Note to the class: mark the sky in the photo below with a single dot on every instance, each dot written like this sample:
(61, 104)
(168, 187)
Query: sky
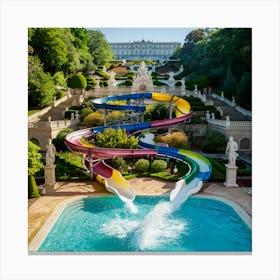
(114, 35)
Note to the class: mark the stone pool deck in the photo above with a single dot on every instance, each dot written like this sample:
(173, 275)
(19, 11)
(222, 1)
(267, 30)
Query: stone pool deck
(41, 208)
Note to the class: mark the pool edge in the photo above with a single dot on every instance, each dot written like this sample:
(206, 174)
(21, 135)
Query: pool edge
(36, 242)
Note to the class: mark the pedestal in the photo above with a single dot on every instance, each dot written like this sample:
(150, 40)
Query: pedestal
(49, 178)
(231, 176)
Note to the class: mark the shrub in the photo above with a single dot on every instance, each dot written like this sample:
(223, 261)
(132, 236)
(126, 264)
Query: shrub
(59, 140)
(176, 139)
(93, 119)
(215, 142)
(159, 165)
(142, 165)
(112, 138)
(59, 94)
(77, 81)
(84, 112)
(59, 79)
(32, 187)
(68, 113)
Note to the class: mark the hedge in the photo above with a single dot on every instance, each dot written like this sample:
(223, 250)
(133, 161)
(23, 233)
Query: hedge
(142, 165)
(158, 165)
(32, 187)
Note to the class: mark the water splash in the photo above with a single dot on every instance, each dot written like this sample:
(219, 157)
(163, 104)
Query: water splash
(158, 227)
(119, 227)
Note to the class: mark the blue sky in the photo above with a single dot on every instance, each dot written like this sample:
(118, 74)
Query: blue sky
(151, 34)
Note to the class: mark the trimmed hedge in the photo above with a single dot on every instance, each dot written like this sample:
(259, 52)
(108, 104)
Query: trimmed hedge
(158, 165)
(32, 187)
(142, 165)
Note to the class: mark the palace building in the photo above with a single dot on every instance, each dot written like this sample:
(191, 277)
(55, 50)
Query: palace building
(144, 50)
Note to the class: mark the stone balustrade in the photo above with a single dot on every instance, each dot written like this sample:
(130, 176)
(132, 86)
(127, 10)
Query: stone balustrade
(230, 124)
(52, 124)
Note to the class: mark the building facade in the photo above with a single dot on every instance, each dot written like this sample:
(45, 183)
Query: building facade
(144, 50)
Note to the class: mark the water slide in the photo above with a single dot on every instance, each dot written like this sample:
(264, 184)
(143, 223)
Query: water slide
(200, 168)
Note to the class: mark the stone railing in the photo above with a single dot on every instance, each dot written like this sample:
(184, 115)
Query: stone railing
(243, 111)
(52, 124)
(36, 116)
(230, 124)
(57, 102)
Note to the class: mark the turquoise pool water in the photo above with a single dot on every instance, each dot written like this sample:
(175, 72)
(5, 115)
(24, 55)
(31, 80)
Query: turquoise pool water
(106, 224)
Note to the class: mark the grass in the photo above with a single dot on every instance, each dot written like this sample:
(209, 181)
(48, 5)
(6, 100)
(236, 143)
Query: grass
(69, 167)
(31, 112)
(163, 175)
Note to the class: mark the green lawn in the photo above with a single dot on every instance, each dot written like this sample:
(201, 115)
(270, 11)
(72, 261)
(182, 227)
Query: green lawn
(31, 112)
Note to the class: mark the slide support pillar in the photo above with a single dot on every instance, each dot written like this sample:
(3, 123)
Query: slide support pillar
(90, 167)
(105, 117)
(170, 115)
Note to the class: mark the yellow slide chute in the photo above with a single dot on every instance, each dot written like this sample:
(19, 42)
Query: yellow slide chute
(182, 106)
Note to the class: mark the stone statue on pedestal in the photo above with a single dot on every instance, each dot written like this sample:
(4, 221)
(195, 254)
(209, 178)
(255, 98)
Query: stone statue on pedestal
(231, 149)
(50, 167)
(50, 155)
(231, 171)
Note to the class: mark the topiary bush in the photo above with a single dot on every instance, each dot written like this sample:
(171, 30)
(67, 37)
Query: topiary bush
(158, 165)
(215, 142)
(77, 81)
(32, 187)
(142, 165)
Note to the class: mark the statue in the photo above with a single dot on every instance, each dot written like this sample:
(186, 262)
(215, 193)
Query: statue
(112, 75)
(231, 149)
(171, 76)
(50, 155)
(123, 62)
(104, 69)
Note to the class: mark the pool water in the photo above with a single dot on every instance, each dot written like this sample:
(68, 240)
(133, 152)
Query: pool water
(106, 224)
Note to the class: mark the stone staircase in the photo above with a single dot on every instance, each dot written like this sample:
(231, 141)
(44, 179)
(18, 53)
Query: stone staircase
(57, 113)
(228, 110)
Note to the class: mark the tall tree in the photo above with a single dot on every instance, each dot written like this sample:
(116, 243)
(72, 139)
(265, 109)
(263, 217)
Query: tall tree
(50, 48)
(41, 87)
(99, 48)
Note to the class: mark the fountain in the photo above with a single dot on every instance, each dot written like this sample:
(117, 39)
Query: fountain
(143, 80)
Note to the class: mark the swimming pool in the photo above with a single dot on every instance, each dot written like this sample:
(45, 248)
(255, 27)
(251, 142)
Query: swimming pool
(106, 224)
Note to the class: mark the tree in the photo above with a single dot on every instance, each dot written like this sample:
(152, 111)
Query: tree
(59, 79)
(50, 48)
(215, 142)
(34, 165)
(99, 48)
(41, 88)
(81, 43)
(193, 37)
(230, 82)
(243, 94)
